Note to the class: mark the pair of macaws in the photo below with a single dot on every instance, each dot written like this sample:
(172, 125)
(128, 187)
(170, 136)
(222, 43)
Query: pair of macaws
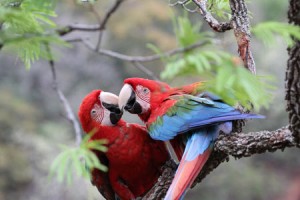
(189, 119)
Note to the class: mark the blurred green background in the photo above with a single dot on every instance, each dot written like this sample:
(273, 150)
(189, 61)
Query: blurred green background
(32, 123)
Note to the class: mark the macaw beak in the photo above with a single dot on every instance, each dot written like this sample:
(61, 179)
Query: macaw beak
(127, 100)
(115, 114)
(110, 102)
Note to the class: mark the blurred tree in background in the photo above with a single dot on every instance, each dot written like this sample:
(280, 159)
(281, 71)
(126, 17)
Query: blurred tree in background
(32, 121)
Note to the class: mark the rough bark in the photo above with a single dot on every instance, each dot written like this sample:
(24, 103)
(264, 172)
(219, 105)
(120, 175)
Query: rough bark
(237, 145)
(239, 23)
(241, 26)
(245, 145)
(293, 74)
(207, 16)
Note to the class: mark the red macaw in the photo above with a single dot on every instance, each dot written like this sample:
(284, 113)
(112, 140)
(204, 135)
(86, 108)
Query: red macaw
(177, 112)
(134, 160)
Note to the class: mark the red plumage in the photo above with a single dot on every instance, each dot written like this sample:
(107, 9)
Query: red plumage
(133, 158)
(159, 92)
(180, 113)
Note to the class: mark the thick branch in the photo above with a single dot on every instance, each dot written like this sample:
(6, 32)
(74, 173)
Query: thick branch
(237, 145)
(213, 23)
(239, 23)
(241, 145)
(69, 112)
(241, 26)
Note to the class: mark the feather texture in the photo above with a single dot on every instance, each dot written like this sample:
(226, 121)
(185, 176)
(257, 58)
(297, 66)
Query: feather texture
(134, 160)
(191, 113)
(197, 151)
(186, 113)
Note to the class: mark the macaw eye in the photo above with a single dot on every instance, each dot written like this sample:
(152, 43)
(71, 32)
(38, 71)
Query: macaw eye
(145, 90)
(93, 111)
(143, 93)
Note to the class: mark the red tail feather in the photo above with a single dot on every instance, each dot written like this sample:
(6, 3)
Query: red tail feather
(186, 173)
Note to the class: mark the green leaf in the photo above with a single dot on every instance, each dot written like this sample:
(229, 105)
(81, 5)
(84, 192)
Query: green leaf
(26, 27)
(79, 160)
(267, 32)
(188, 33)
(220, 8)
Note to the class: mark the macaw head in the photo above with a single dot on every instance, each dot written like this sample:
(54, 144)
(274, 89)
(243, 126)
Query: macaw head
(99, 108)
(137, 94)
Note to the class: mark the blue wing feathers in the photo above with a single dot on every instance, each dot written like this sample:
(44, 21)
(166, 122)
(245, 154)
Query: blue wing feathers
(193, 113)
(203, 118)
(220, 119)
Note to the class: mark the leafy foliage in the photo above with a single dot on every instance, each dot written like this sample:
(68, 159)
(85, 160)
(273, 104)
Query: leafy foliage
(188, 33)
(223, 73)
(27, 27)
(235, 84)
(220, 8)
(267, 31)
(79, 159)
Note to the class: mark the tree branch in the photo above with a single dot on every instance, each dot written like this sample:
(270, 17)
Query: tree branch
(237, 145)
(128, 58)
(241, 26)
(212, 22)
(84, 27)
(239, 23)
(100, 35)
(65, 103)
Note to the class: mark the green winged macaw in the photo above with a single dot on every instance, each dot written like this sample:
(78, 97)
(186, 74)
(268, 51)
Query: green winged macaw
(172, 113)
(134, 160)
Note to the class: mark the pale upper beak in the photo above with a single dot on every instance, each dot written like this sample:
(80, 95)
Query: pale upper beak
(128, 100)
(110, 102)
(124, 95)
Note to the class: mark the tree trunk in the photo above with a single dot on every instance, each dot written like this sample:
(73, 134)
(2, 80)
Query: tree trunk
(292, 80)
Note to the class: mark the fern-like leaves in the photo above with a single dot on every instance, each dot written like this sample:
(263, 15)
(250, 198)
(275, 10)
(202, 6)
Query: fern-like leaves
(80, 160)
(267, 32)
(27, 27)
(222, 72)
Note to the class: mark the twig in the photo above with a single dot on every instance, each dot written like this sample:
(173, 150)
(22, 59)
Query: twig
(69, 112)
(109, 13)
(78, 27)
(102, 24)
(183, 4)
(98, 44)
(238, 145)
(141, 67)
(98, 27)
(138, 58)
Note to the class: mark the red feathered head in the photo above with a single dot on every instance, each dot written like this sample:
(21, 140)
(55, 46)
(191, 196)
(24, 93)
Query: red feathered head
(97, 109)
(138, 95)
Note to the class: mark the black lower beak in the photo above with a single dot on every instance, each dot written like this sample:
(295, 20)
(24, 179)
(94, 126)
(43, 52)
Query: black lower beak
(115, 117)
(115, 112)
(135, 109)
(132, 105)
